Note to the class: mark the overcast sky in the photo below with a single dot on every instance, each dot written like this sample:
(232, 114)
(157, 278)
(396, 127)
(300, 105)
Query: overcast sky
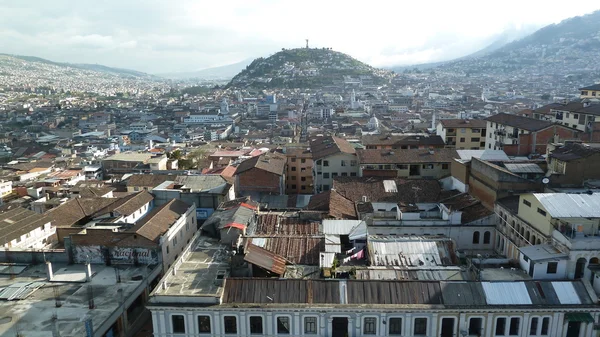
(178, 35)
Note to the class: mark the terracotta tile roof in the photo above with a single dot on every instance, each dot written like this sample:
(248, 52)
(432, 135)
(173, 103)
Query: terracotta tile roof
(409, 190)
(399, 140)
(19, 221)
(463, 123)
(276, 224)
(472, 209)
(75, 210)
(326, 146)
(158, 222)
(272, 162)
(573, 151)
(401, 156)
(520, 122)
(129, 204)
(334, 203)
(591, 87)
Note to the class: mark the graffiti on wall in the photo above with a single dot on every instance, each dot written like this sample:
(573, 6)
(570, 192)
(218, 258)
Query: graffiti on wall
(117, 255)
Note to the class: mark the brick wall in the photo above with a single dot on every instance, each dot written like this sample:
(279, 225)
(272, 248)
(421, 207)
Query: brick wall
(258, 180)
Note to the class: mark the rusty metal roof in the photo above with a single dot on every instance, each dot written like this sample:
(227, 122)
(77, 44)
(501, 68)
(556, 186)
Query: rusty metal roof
(265, 259)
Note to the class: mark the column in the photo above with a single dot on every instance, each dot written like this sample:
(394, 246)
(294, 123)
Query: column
(489, 325)
(433, 325)
(296, 325)
(329, 326)
(190, 323)
(216, 323)
(463, 324)
(381, 330)
(408, 325)
(525, 324)
(354, 326)
(242, 324)
(269, 324)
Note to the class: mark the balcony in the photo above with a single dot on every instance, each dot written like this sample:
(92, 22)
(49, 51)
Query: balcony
(500, 132)
(577, 236)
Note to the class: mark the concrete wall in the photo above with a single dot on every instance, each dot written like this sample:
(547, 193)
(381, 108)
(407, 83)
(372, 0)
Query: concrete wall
(178, 236)
(532, 216)
(541, 268)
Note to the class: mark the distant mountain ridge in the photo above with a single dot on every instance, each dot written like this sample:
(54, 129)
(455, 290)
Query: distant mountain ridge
(82, 66)
(304, 68)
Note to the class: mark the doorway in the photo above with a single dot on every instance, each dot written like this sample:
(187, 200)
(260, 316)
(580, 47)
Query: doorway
(580, 268)
(415, 170)
(447, 327)
(573, 329)
(339, 327)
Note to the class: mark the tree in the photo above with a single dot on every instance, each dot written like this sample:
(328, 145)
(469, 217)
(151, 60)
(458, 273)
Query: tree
(545, 97)
(198, 159)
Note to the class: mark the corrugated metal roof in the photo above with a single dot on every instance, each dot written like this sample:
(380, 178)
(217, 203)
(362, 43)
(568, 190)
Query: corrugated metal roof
(333, 243)
(543, 252)
(19, 290)
(393, 292)
(565, 205)
(265, 259)
(566, 292)
(523, 168)
(296, 249)
(390, 186)
(340, 227)
(506, 293)
(418, 252)
(463, 293)
(409, 274)
(541, 293)
(326, 260)
(488, 155)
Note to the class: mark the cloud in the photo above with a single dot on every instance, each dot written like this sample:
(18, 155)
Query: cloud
(160, 36)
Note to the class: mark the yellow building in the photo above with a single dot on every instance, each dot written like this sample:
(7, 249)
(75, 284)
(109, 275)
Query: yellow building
(462, 134)
(592, 91)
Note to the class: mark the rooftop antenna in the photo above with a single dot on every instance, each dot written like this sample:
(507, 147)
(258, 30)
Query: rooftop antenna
(306, 43)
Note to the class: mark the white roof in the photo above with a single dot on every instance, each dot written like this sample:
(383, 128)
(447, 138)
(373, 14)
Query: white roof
(566, 205)
(489, 155)
(566, 292)
(506, 293)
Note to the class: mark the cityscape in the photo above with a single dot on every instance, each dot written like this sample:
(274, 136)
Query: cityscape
(306, 192)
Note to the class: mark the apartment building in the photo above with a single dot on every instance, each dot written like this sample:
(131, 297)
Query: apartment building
(332, 157)
(592, 91)
(522, 136)
(414, 164)
(405, 141)
(299, 178)
(463, 134)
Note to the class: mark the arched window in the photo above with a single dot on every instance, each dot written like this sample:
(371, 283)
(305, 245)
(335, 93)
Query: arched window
(476, 237)
(533, 239)
(487, 237)
(539, 242)
(527, 235)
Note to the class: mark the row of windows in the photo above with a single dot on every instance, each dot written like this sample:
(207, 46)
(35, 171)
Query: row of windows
(283, 326)
(335, 174)
(504, 326)
(487, 235)
(402, 167)
(302, 169)
(342, 162)
(293, 187)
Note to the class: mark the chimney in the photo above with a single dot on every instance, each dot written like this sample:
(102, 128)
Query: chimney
(88, 272)
(364, 198)
(49, 270)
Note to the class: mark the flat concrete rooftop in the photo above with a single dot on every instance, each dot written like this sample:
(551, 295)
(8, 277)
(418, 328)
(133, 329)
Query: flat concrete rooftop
(199, 273)
(33, 309)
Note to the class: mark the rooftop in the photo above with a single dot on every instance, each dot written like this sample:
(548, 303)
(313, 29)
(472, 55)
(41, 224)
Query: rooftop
(325, 146)
(400, 140)
(567, 205)
(406, 156)
(520, 122)
(130, 156)
(463, 123)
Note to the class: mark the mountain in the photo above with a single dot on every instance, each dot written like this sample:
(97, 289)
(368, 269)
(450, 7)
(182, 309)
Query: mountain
(305, 68)
(82, 66)
(223, 72)
(573, 45)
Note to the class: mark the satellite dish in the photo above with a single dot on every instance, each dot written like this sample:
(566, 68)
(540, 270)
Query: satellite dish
(545, 181)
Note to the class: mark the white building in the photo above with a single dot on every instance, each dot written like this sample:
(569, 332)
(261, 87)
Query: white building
(332, 157)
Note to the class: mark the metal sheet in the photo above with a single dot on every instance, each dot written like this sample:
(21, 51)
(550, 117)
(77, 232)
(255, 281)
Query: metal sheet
(565, 205)
(326, 260)
(340, 227)
(566, 292)
(506, 293)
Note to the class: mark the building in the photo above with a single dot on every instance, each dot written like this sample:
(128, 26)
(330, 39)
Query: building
(5, 188)
(22, 228)
(583, 116)
(332, 157)
(592, 91)
(261, 175)
(405, 141)
(125, 162)
(522, 136)
(146, 182)
(463, 134)
(572, 164)
(413, 164)
(299, 178)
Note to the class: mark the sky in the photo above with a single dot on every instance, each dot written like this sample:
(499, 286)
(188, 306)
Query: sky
(160, 36)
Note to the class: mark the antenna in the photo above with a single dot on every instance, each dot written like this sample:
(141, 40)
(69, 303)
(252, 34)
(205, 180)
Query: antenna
(306, 43)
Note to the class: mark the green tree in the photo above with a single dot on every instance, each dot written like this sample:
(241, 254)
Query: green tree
(545, 97)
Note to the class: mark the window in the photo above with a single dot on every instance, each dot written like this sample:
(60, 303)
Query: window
(293, 186)
(552, 268)
(293, 168)
(230, 324)
(476, 237)
(450, 130)
(178, 323)
(514, 326)
(444, 166)
(395, 326)
(353, 163)
(476, 130)
(310, 325)
(369, 326)
(428, 166)
(533, 326)
(256, 325)
(319, 162)
(303, 187)
(283, 325)
(293, 160)
(325, 162)
(541, 211)
(420, 327)
(325, 175)
(545, 326)
(576, 116)
(334, 174)
(343, 162)
(487, 237)
(204, 324)
(353, 174)
(167, 249)
(500, 326)
(463, 130)
(475, 139)
(402, 167)
(293, 177)
(302, 178)
(174, 241)
(302, 161)
(462, 140)
(344, 174)
(325, 187)
(475, 325)
(526, 203)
